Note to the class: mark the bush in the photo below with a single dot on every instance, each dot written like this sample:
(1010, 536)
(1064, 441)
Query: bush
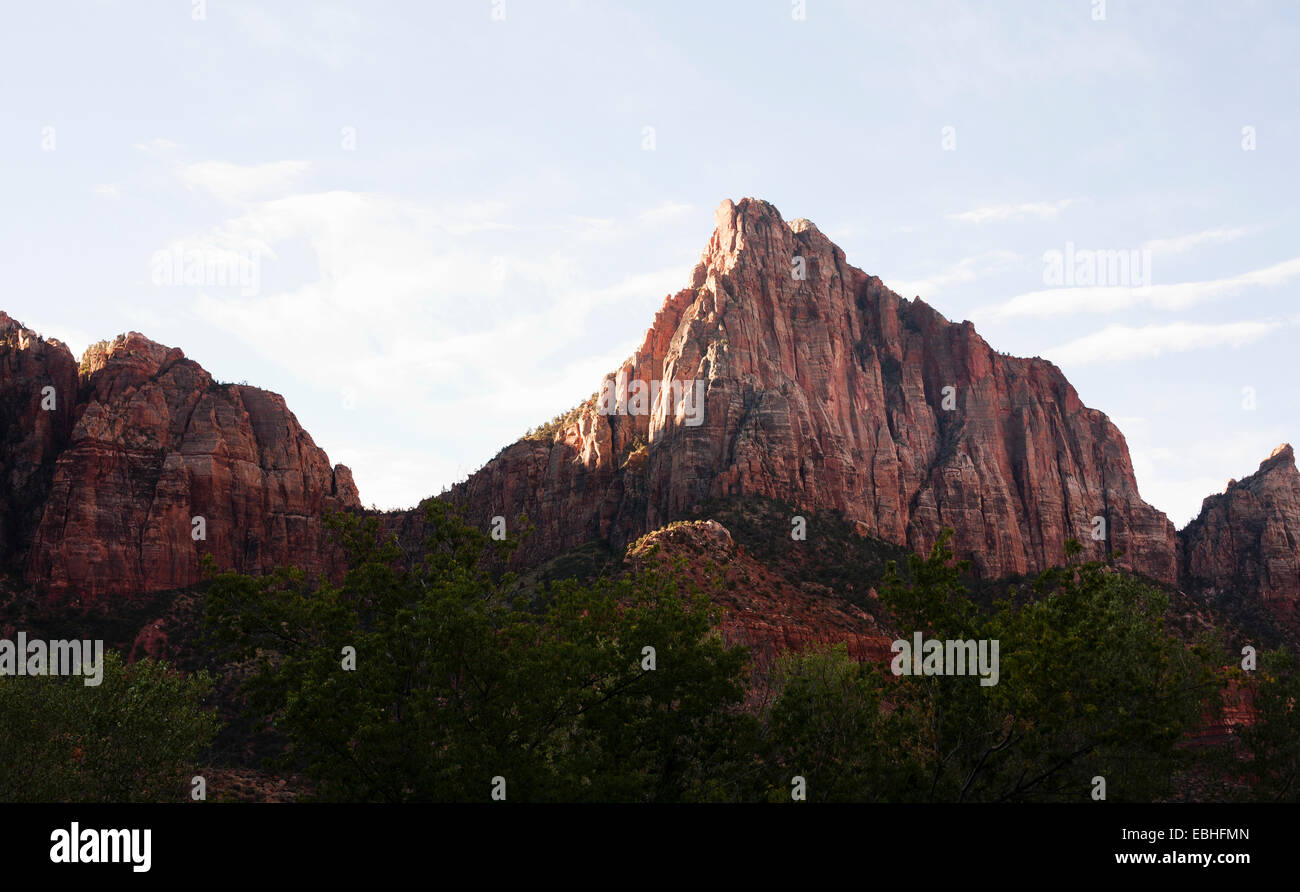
(135, 737)
(453, 686)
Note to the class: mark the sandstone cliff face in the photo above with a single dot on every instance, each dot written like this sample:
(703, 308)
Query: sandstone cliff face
(147, 442)
(38, 391)
(818, 386)
(1248, 537)
(824, 388)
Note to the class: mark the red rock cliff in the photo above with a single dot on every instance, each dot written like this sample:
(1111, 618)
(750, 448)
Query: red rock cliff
(825, 388)
(143, 442)
(38, 396)
(1247, 538)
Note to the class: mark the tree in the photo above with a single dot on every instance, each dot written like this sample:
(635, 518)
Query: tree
(135, 737)
(1271, 742)
(454, 685)
(828, 724)
(1090, 684)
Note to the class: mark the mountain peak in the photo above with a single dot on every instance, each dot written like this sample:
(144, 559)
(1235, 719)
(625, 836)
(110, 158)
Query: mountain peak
(1243, 536)
(143, 356)
(809, 381)
(27, 338)
(1282, 456)
(104, 475)
(752, 232)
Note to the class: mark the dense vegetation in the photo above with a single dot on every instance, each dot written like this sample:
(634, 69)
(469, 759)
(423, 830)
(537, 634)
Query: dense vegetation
(451, 680)
(135, 737)
(436, 683)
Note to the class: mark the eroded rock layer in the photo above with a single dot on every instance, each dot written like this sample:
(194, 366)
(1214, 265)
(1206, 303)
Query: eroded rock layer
(822, 387)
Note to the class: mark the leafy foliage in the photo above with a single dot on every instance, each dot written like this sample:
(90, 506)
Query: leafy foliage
(1091, 685)
(829, 726)
(457, 683)
(454, 686)
(135, 737)
(1272, 742)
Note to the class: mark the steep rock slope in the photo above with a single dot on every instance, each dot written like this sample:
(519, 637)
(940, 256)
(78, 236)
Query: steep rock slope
(823, 387)
(143, 442)
(1247, 538)
(38, 390)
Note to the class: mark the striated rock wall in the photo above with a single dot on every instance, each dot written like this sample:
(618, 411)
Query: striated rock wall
(144, 441)
(1247, 538)
(825, 388)
(38, 388)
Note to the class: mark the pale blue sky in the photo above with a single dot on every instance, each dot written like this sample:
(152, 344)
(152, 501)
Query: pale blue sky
(460, 227)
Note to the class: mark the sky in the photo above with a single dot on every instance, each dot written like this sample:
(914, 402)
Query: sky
(434, 225)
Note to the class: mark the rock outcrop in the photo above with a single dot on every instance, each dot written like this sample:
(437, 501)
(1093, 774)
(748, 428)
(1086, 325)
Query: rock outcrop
(820, 386)
(38, 396)
(762, 608)
(106, 491)
(1247, 538)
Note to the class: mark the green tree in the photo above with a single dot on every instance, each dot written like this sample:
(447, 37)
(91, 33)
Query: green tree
(135, 737)
(1271, 743)
(828, 724)
(1090, 684)
(455, 685)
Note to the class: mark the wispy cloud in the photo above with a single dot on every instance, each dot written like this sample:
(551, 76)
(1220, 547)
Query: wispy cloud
(240, 182)
(1177, 478)
(405, 273)
(965, 270)
(1056, 302)
(1000, 212)
(1183, 243)
(668, 212)
(157, 147)
(1117, 343)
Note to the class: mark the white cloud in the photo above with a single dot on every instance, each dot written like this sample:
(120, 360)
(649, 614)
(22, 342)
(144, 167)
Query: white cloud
(967, 269)
(405, 307)
(1117, 343)
(1000, 212)
(1183, 243)
(108, 190)
(236, 183)
(1053, 302)
(668, 212)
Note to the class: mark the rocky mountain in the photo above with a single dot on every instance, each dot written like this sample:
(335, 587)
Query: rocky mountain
(820, 386)
(780, 373)
(124, 470)
(38, 383)
(1248, 536)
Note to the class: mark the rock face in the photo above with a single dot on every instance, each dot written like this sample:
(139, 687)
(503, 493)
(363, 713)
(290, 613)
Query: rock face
(779, 372)
(1247, 538)
(38, 389)
(104, 491)
(822, 387)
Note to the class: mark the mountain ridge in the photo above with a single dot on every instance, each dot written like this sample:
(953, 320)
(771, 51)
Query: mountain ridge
(822, 381)
(820, 387)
